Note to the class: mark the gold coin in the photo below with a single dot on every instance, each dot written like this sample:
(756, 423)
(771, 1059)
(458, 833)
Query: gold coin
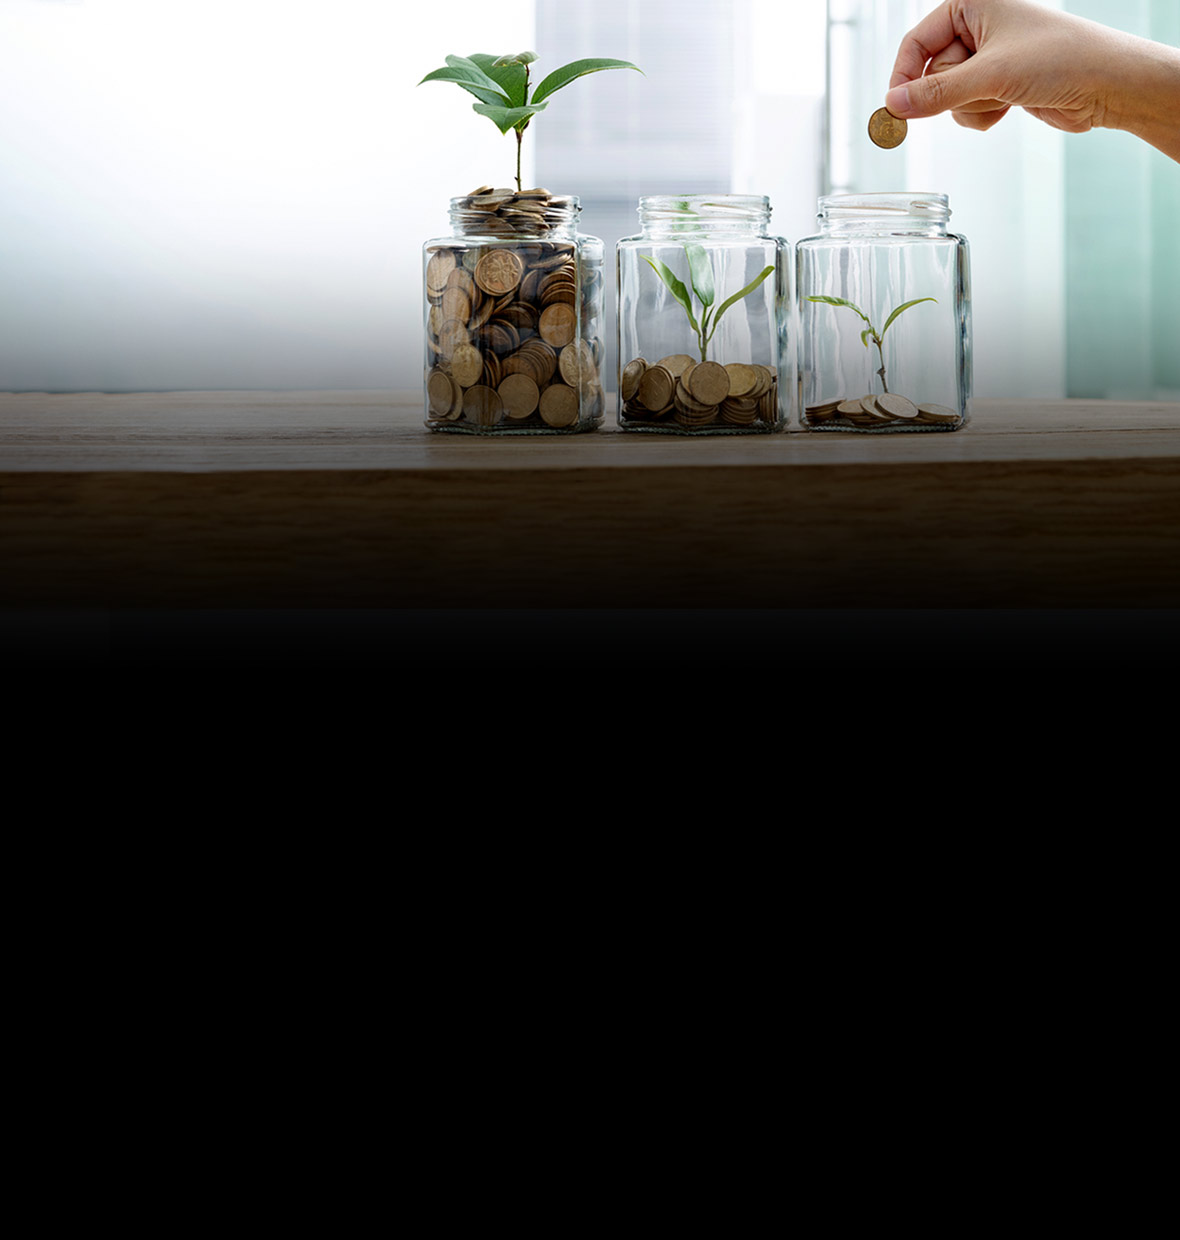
(445, 397)
(887, 130)
(708, 383)
(558, 324)
(482, 405)
(675, 363)
(519, 394)
(766, 379)
(451, 335)
(559, 405)
(740, 412)
(576, 363)
(461, 278)
(896, 406)
(493, 372)
(656, 388)
(456, 305)
(438, 270)
(687, 403)
(937, 413)
(466, 365)
(632, 373)
(743, 379)
(498, 272)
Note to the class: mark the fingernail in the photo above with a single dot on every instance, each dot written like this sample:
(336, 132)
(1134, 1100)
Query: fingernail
(898, 100)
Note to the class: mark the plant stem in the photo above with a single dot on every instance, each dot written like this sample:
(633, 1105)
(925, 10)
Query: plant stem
(881, 355)
(520, 131)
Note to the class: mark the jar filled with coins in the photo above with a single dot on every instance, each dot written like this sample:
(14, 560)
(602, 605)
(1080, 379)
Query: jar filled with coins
(885, 316)
(514, 312)
(703, 318)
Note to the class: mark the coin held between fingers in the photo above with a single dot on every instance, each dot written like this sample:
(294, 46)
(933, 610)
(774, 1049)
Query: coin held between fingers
(887, 130)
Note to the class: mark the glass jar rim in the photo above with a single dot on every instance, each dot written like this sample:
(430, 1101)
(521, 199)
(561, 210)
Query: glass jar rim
(705, 206)
(885, 204)
(509, 213)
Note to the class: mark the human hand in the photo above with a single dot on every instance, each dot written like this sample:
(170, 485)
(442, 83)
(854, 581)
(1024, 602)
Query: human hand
(979, 58)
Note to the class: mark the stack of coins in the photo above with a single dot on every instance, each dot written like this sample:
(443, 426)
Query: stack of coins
(877, 412)
(690, 395)
(511, 327)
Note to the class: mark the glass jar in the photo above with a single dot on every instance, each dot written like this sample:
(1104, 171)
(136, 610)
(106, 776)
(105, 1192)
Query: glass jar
(885, 316)
(702, 318)
(513, 318)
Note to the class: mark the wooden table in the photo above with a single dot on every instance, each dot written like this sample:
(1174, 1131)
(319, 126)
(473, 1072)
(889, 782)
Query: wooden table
(279, 500)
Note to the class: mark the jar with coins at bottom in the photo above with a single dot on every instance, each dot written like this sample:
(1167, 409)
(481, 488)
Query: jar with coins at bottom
(513, 306)
(885, 316)
(703, 318)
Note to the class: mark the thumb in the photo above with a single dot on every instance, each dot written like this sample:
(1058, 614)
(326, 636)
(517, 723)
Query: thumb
(946, 91)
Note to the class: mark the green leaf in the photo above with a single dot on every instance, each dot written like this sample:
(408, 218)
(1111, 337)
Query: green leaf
(839, 301)
(508, 73)
(745, 292)
(700, 272)
(904, 306)
(472, 78)
(521, 58)
(865, 335)
(674, 287)
(576, 69)
(508, 118)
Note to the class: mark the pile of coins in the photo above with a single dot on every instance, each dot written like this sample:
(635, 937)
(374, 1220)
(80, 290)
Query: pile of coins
(691, 395)
(510, 327)
(508, 212)
(877, 412)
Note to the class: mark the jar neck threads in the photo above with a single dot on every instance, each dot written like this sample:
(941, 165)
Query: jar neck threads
(686, 216)
(887, 213)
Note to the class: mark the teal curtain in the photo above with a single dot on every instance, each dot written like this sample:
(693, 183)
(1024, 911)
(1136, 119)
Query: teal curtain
(1122, 251)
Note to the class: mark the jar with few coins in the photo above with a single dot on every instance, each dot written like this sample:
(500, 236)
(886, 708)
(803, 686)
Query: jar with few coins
(513, 304)
(885, 316)
(703, 318)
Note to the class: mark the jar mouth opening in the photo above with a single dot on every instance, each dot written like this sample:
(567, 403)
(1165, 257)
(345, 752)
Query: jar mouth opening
(507, 212)
(886, 204)
(711, 207)
(498, 199)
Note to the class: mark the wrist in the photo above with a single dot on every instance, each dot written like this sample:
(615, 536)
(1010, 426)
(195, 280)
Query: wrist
(1145, 98)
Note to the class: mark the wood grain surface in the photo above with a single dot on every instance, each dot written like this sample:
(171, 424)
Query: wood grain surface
(345, 500)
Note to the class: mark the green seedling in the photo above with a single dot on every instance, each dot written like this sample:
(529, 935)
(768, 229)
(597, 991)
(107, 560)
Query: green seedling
(703, 289)
(871, 332)
(501, 84)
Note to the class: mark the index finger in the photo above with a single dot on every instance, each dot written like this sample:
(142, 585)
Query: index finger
(931, 35)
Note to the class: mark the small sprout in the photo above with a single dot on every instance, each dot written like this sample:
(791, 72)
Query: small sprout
(871, 331)
(700, 277)
(501, 84)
